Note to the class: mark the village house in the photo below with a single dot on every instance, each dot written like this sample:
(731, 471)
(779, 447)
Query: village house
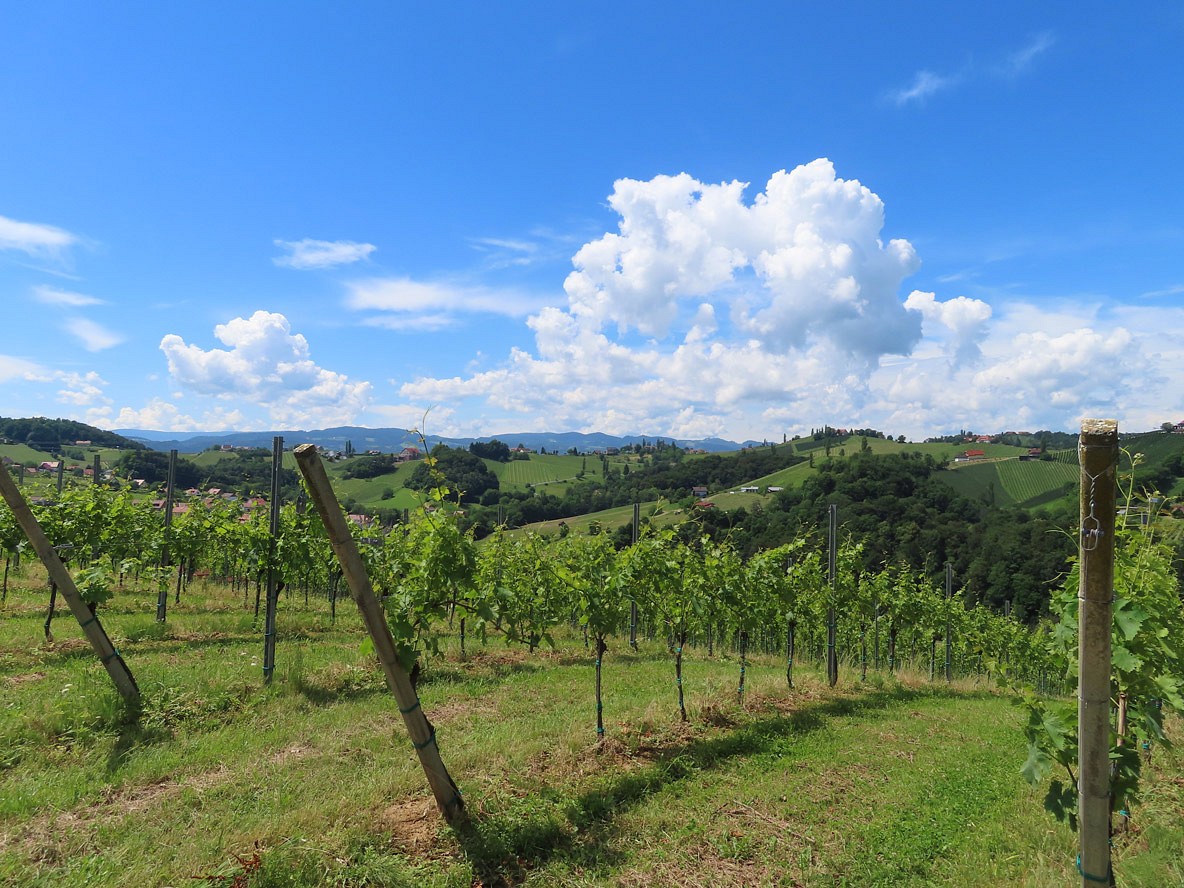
(968, 455)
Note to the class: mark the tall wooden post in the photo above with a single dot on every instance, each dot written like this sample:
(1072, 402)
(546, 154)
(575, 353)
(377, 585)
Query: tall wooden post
(633, 603)
(162, 599)
(832, 653)
(423, 735)
(949, 604)
(96, 472)
(277, 458)
(1098, 454)
(93, 629)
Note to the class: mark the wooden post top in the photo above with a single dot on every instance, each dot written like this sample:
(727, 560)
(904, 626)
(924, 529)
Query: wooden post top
(1099, 428)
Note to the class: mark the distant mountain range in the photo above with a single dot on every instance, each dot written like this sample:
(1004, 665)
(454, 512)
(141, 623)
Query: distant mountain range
(393, 440)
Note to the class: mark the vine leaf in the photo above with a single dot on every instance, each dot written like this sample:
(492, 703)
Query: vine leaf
(1038, 765)
(1061, 802)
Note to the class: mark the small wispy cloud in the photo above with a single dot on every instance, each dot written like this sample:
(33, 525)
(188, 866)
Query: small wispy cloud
(54, 296)
(506, 252)
(1021, 60)
(1167, 291)
(517, 246)
(94, 337)
(408, 304)
(957, 276)
(924, 85)
(33, 238)
(308, 253)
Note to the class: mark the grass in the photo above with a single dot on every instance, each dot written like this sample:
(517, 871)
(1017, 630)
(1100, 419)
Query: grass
(311, 781)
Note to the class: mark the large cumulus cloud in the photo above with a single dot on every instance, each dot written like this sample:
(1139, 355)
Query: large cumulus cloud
(706, 313)
(802, 263)
(787, 299)
(267, 365)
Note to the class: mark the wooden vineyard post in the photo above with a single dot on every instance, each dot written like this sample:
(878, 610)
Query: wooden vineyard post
(832, 654)
(1098, 454)
(277, 456)
(162, 599)
(949, 602)
(423, 735)
(91, 627)
(633, 602)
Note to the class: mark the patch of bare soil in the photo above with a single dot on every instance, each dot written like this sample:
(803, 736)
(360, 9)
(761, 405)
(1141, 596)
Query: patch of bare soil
(413, 824)
(55, 836)
(198, 636)
(495, 657)
(716, 717)
(291, 753)
(451, 710)
(705, 867)
(25, 677)
(66, 646)
(130, 799)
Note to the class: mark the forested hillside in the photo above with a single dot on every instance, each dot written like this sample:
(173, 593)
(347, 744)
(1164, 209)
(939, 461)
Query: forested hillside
(901, 511)
(51, 434)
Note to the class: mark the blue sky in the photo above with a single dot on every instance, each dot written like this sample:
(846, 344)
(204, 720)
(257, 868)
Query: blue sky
(692, 219)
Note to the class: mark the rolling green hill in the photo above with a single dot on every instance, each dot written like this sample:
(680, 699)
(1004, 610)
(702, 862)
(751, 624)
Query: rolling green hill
(1012, 482)
(1001, 479)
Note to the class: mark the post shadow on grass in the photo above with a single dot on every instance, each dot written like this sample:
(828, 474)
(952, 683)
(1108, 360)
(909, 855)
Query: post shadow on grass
(132, 737)
(503, 847)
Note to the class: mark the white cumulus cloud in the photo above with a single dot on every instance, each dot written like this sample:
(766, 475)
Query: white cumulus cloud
(269, 366)
(964, 318)
(82, 389)
(802, 262)
(789, 297)
(787, 311)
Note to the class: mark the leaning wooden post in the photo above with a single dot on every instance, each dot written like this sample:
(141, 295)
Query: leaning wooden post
(1098, 454)
(423, 735)
(93, 629)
